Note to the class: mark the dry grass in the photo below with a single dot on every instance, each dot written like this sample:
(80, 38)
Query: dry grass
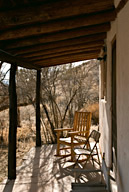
(25, 137)
(25, 141)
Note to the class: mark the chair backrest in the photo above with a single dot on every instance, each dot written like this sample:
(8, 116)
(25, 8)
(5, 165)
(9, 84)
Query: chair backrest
(95, 135)
(82, 122)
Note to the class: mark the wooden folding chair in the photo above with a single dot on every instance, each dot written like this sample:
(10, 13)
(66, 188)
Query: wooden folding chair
(89, 150)
(77, 134)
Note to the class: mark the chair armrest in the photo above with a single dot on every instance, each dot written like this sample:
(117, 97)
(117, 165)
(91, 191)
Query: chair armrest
(77, 132)
(63, 129)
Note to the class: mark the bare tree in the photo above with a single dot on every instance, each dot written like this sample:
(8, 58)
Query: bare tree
(64, 89)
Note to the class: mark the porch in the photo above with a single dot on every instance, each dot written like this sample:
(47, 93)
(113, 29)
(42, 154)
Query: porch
(41, 171)
(38, 34)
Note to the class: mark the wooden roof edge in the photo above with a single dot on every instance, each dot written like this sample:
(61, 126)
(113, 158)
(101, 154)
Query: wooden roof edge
(66, 62)
(7, 57)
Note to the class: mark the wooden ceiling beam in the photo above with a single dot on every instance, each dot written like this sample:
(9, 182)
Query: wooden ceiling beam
(6, 57)
(58, 36)
(67, 59)
(62, 57)
(58, 25)
(74, 41)
(51, 11)
(77, 50)
(89, 46)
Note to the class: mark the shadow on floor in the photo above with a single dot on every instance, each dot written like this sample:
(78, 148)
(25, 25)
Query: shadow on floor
(41, 171)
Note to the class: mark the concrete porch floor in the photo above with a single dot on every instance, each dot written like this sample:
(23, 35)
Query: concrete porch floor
(41, 171)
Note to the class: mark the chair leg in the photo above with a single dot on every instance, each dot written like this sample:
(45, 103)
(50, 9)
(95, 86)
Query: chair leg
(99, 160)
(58, 149)
(93, 161)
(72, 154)
(98, 157)
(72, 149)
(58, 144)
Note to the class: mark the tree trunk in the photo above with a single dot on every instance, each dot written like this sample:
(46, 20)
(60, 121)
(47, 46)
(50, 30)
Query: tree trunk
(18, 118)
(51, 124)
(67, 107)
(12, 124)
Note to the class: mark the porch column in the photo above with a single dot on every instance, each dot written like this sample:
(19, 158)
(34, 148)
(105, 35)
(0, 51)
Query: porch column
(38, 134)
(12, 124)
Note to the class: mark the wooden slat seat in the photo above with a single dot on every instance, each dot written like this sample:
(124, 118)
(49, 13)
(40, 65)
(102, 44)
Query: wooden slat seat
(68, 139)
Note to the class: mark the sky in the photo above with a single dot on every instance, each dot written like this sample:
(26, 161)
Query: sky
(5, 67)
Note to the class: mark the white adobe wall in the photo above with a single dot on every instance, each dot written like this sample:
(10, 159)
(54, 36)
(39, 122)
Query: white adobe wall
(105, 104)
(123, 99)
(120, 28)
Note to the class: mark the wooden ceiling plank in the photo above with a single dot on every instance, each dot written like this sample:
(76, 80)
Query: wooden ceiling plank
(68, 34)
(45, 56)
(67, 55)
(58, 25)
(74, 41)
(6, 57)
(62, 49)
(52, 11)
(67, 59)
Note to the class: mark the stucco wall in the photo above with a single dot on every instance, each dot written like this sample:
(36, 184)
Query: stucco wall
(123, 98)
(120, 28)
(105, 105)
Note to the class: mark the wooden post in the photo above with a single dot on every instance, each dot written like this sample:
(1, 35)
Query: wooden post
(12, 124)
(38, 134)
